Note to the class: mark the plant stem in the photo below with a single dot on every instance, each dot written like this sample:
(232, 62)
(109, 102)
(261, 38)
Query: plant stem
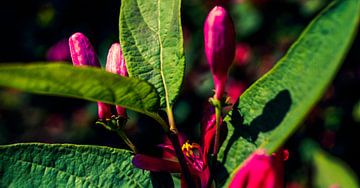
(217, 105)
(126, 140)
(184, 167)
(172, 124)
(173, 135)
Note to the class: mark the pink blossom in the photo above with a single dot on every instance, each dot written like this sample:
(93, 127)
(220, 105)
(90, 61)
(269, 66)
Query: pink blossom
(83, 54)
(168, 162)
(116, 64)
(219, 38)
(261, 170)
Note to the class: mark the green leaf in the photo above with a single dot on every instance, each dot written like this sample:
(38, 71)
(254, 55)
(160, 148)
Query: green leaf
(328, 170)
(63, 165)
(152, 43)
(331, 171)
(81, 82)
(273, 107)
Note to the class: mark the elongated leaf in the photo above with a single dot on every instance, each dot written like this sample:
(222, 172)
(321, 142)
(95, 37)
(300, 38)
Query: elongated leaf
(152, 43)
(85, 83)
(272, 108)
(63, 165)
(329, 171)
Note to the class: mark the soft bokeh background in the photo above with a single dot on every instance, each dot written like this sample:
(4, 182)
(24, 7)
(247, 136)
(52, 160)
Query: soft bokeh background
(37, 30)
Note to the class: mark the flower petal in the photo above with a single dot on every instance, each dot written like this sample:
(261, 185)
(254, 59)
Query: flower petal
(259, 170)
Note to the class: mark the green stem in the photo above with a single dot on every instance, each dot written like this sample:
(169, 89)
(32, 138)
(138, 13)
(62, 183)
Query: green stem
(170, 115)
(126, 140)
(217, 105)
(160, 120)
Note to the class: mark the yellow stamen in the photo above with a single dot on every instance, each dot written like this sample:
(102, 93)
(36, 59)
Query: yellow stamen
(188, 148)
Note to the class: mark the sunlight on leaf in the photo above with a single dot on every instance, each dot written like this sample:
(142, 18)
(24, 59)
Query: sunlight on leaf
(152, 43)
(273, 107)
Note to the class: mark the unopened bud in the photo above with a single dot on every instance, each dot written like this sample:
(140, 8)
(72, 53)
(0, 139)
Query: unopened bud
(82, 52)
(115, 61)
(219, 37)
(116, 64)
(104, 111)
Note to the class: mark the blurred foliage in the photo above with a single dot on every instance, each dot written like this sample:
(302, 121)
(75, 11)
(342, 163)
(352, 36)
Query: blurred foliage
(328, 171)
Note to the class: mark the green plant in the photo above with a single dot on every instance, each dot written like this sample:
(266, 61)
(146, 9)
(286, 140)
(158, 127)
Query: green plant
(266, 114)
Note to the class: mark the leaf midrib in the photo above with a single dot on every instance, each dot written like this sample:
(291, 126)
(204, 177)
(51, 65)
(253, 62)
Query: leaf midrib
(161, 59)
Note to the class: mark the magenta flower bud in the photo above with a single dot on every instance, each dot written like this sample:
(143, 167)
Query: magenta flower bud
(261, 170)
(82, 52)
(104, 111)
(115, 61)
(116, 64)
(219, 38)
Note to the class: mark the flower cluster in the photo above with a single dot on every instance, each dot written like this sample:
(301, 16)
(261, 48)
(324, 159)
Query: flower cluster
(83, 54)
(196, 162)
(219, 38)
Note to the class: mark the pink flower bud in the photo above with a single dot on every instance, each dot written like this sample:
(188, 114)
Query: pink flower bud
(104, 111)
(115, 61)
(219, 37)
(116, 64)
(82, 52)
(260, 170)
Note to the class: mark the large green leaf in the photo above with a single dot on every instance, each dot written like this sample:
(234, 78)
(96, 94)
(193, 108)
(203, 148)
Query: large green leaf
(152, 43)
(328, 170)
(81, 82)
(63, 165)
(273, 107)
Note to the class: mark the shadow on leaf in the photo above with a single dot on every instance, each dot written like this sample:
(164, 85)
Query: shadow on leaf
(273, 113)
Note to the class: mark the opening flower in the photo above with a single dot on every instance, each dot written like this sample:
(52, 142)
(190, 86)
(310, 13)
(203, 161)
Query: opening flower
(168, 162)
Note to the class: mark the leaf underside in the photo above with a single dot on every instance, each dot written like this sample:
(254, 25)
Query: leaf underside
(81, 82)
(274, 106)
(64, 165)
(152, 43)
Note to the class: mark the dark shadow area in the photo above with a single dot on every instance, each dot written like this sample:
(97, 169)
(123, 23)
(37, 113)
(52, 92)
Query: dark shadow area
(161, 180)
(273, 114)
